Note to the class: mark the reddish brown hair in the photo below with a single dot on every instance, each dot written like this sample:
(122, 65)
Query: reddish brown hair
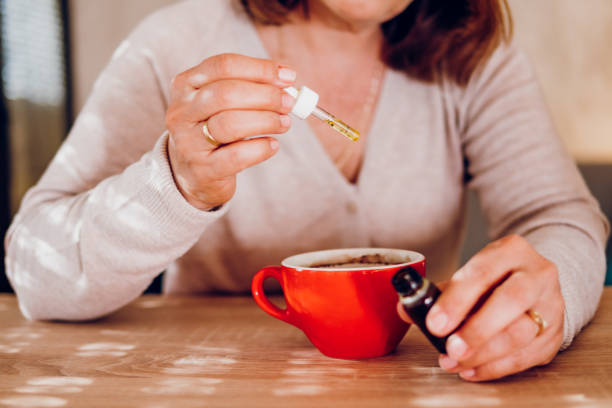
(429, 38)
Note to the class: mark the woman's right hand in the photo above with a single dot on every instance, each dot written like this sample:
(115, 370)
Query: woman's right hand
(237, 97)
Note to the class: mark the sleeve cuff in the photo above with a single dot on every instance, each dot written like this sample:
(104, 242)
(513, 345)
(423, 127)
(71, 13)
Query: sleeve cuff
(579, 274)
(165, 200)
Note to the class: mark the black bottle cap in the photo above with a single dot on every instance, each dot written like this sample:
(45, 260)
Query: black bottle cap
(407, 281)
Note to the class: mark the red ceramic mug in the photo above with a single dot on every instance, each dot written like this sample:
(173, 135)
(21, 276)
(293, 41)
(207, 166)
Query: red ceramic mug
(342, 299)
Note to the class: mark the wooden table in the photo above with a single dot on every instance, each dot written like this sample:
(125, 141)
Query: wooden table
(225, 352)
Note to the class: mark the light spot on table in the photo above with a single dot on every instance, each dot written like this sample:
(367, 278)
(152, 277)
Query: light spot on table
(199, 364)
(201, 361)
(215, 350)
(186, 386)
(311, 389)
(100, 354)
(6, 349)
(106, 346)
(58, 381)
(299, 380)
(104, 350)
(108, 332)
(318, 371)
(149, 303)
(182, 370)
(159, 390)
(54, 385)
(576, 398)
(434, 370)
(301, 361)
(455, 400)
(33, 402)
(45, 389)
(190, 381)
(22, 335)
(311, 354)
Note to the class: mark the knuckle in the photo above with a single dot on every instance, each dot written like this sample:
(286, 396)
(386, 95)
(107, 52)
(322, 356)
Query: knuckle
(223, 64)
(549, 271)
(274, 98)
(462, 273)
(222, 94)
(475, 270)
(268, 70)
(513, 240)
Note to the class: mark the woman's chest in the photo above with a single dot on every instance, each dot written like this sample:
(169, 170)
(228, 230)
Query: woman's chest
(410, 186)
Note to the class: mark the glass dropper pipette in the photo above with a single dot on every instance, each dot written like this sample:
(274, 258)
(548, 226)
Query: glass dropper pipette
(306, 104)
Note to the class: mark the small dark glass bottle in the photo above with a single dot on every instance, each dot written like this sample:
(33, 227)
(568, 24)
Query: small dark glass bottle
(418, 295)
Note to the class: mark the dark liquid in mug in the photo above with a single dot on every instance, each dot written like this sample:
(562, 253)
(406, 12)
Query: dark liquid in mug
(367, 261)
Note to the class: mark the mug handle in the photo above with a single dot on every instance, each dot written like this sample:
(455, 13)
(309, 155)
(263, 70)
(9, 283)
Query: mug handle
(262, 300)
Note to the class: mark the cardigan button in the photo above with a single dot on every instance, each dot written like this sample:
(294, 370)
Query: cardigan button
(351, 207)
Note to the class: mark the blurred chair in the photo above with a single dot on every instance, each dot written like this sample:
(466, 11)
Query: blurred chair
(597, 177)
(36, 96)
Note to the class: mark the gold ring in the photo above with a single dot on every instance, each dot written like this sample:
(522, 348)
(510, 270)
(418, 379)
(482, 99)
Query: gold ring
(209, 137)
(537, 319)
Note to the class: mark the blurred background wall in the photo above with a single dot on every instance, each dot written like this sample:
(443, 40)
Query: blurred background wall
(567, 42)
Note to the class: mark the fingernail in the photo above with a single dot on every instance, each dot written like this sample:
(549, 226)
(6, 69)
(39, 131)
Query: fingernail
(467, 373)
(438, 319)
(287, 101)
(285, 121)
(447, 363)
(286, 74)
(456, 346)
(274, 144)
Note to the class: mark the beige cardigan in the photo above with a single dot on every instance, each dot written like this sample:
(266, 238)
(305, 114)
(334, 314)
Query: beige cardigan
(106, 217)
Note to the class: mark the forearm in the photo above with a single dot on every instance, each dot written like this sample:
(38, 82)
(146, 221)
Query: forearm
(81, 256)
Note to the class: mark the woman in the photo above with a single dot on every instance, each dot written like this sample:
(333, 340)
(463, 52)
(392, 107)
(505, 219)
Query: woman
(159, 169)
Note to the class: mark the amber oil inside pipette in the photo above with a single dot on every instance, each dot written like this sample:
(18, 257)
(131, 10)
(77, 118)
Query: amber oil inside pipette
(336, 124)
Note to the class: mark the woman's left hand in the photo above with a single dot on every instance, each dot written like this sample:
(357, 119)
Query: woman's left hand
(500, 338)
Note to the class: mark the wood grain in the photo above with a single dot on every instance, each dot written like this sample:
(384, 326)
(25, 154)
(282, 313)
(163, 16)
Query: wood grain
(225, 352)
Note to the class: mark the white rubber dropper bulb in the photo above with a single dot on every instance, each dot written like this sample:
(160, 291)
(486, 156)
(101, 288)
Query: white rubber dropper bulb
(305, 101)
